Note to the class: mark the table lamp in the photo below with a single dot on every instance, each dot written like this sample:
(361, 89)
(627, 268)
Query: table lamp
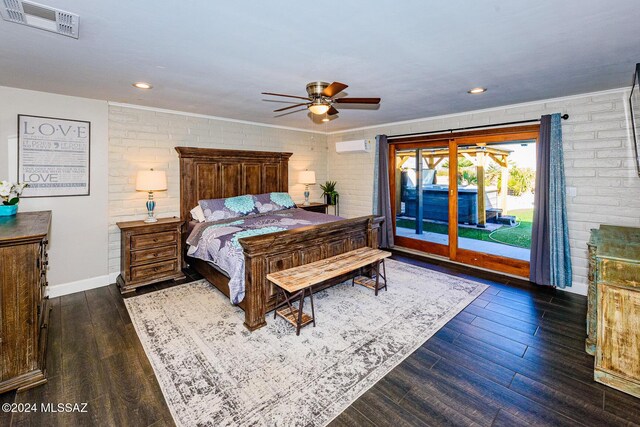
(151, 181)
(307, 178)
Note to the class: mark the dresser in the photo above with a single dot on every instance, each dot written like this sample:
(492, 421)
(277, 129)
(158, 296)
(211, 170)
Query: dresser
(149, 252)
(613, 317)
(24, 308)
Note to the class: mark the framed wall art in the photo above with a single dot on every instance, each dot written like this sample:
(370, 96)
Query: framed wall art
(53, 156)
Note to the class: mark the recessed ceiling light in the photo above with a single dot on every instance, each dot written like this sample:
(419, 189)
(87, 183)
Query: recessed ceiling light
(477, 90)
(142, 85)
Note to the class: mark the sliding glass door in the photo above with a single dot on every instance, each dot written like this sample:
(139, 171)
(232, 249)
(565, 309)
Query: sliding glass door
(422, 198)
(468, 198)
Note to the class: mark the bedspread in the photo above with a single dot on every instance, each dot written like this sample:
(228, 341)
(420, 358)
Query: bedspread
(217, 242)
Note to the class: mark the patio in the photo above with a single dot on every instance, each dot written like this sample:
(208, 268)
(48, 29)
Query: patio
(471, 244)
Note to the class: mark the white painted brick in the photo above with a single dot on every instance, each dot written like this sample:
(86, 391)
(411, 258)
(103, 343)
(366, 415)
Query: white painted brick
(141, 139)
(597, 144)
(605, 134)
(596, 163)
(595, 126)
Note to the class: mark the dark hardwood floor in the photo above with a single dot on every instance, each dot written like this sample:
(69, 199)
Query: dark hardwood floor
(515, 356)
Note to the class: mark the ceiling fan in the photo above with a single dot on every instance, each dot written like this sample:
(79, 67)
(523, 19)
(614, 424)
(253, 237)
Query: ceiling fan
(321, 97)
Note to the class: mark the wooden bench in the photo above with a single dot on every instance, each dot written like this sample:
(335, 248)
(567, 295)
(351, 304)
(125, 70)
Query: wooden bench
(298, 281)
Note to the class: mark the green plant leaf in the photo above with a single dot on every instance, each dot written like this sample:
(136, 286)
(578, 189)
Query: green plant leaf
(13, 201)
(329, 187)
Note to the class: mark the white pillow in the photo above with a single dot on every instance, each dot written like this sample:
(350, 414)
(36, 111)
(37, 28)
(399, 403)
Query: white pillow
(198, 214)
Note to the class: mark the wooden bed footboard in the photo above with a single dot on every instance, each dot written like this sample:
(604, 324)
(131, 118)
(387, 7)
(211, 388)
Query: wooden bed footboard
(286, 249)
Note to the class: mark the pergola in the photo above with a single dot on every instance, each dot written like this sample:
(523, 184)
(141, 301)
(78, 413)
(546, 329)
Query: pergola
(477, 155)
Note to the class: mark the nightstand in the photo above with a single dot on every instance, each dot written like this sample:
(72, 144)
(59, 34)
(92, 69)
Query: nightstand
(315, 207)
(149, 252)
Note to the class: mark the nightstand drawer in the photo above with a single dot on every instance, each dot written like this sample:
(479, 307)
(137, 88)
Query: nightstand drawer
(157, 269)
(153, 240)
(146, 256)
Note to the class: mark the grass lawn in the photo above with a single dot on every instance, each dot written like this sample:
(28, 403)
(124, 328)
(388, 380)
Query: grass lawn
(519, 236)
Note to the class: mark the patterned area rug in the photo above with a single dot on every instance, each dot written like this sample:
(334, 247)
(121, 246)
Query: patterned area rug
(213, 371)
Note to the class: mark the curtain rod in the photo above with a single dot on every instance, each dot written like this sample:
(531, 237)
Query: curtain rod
(564, 117)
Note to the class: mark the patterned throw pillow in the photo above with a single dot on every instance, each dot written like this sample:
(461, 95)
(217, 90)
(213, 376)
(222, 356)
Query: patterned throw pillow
(231, 207)
(269, 202)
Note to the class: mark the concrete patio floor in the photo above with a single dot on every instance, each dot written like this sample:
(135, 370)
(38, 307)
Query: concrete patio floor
(469, 244)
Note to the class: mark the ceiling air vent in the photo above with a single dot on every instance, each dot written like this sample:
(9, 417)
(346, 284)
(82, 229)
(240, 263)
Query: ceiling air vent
(40, 16)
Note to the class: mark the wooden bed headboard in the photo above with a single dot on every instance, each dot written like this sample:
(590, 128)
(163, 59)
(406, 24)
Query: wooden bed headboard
(208, 173)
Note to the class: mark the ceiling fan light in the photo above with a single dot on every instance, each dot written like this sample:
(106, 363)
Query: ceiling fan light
(142, 85)
(319, 108)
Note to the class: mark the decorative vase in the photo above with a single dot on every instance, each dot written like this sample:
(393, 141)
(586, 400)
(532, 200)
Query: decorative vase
(8, 210)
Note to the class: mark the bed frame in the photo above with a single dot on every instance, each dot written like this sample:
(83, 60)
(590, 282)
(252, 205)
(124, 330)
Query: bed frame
(207, 173)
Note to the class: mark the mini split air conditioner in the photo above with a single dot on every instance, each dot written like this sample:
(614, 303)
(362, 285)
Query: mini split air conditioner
(357, 146)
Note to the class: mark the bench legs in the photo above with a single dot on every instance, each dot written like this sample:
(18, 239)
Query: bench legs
(374, 284)
(296, 317)
(383, 275)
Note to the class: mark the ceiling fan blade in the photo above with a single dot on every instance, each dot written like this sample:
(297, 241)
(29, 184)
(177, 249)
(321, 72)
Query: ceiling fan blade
(333, 89)
(357, 100)
(286, 113)
(288, 96)
(289, 107)
(332, 111)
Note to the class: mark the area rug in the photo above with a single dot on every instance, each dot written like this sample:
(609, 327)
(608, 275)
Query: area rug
(213, 371)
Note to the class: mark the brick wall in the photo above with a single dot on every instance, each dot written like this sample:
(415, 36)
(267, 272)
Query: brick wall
(142, 138)
(598, 162)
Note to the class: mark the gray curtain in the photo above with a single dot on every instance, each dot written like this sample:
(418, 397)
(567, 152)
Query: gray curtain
(381, 195)
(550, 262)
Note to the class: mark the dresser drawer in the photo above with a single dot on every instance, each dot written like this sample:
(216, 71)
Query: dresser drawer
(145, 256)
(157, 269)
(619, 272)
(153, 240)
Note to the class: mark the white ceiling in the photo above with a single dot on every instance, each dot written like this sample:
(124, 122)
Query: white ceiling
(420, 57)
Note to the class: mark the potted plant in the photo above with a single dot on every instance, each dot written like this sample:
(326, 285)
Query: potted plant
(329, 192)
(10, 194)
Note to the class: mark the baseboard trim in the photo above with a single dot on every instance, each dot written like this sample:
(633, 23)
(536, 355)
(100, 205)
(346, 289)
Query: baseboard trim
(80, 285)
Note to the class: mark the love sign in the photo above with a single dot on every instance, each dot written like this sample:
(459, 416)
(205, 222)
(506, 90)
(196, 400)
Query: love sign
(53, 156)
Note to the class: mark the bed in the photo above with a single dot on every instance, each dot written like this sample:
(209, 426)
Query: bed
(207, 173)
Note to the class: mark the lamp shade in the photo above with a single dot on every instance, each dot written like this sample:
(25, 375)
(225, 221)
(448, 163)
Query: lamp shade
(307, 177)
(151, 181)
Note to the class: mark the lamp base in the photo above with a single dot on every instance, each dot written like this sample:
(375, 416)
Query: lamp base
(151, 205)
(306, 196)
